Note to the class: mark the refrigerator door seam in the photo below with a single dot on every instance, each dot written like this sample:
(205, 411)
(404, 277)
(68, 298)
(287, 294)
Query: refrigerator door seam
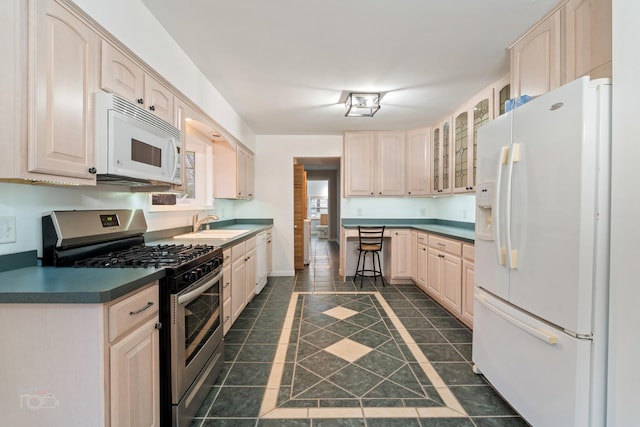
(578, 336)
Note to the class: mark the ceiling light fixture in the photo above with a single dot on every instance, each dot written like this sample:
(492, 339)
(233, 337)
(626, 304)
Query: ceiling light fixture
(362, 104)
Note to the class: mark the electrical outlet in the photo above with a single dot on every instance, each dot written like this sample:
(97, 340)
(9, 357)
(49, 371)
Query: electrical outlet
(423, 212)
(359, 212)
(465, 213)
(7, 229)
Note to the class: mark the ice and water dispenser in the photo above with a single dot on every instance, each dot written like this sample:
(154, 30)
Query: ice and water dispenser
(485, 201)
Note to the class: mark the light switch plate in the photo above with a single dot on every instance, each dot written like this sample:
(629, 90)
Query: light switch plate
(7, 229)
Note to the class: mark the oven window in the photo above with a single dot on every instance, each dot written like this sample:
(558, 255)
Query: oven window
(202, 318)
(145, 153)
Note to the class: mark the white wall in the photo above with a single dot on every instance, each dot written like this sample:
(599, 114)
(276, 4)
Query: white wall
(28, 202)
(274, 187)
(318, 188)
(131, 22)
(455, 208)
(624, 349)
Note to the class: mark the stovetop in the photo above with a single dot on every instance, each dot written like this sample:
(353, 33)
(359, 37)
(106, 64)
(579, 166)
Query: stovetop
(142, 256)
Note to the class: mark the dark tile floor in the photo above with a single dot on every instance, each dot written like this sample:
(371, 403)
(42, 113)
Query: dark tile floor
(339, 355)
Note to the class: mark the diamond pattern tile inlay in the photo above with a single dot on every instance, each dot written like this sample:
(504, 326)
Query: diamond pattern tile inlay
(340, 313)
(348, 346)
(348, 350)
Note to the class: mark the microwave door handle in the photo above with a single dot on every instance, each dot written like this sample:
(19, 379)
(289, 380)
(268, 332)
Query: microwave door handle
(175, 158)
(191, 295)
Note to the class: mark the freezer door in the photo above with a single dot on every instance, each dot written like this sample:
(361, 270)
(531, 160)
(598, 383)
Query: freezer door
(493, 147)
(553, 206)
(542, 372)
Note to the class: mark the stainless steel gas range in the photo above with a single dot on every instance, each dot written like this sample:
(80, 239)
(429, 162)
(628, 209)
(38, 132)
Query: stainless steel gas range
(191, 344)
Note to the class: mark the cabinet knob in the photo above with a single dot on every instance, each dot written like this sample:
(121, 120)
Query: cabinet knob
(409, 192)
(372, 193)
(152, 108)
(92, 170)
(140, 101)
(158, 325)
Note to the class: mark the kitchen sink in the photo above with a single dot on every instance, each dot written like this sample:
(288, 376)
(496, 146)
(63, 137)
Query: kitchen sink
(212, 234)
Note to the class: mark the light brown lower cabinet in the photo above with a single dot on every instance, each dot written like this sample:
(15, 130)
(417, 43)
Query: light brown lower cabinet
(98, 363)
(444, 270)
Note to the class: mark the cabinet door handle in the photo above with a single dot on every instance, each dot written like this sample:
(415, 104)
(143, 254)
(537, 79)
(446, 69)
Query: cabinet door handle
(152, 108)
(226, 285)
(158, 325)
(92, 170)
(140, 310)
(140, 101)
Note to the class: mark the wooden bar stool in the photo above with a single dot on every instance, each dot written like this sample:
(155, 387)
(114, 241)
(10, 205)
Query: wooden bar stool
(369, 242)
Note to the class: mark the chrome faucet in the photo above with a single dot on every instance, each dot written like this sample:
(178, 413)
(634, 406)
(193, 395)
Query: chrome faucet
(197, 223)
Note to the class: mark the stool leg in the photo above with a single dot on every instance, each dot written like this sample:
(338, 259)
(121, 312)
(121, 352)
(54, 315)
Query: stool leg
(364, 266)
(379, 269)
(355, 275)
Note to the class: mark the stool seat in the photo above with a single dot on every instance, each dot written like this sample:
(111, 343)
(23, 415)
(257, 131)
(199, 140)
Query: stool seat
(369, 242)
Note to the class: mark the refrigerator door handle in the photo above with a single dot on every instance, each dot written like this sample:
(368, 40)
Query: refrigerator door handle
(512, 255)
(502, 160)
(536, 333)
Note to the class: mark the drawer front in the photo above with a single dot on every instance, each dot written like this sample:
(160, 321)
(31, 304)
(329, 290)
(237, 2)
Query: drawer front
(226, 256)
(226, 316)
(423, 238)
(250, 243)
(226, 283)
(445, 245)
(468, 252)
(238, 251)
(132, 311)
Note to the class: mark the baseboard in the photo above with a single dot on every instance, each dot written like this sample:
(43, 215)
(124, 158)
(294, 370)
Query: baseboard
(285, 273)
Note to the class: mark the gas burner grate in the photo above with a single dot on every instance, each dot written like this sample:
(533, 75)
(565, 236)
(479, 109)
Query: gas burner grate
(147, 256)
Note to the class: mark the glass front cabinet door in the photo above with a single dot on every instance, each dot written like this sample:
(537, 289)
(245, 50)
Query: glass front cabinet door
(466, 122)
(441, 157)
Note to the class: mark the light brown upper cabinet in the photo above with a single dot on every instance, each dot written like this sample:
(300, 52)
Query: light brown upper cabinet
(418, 164)
(441, 148)
(466, 122)
(374, 163)
(535, 59)
(587, 32)
(125, 77)
(233, 171)
(572, 41)
(48, 133)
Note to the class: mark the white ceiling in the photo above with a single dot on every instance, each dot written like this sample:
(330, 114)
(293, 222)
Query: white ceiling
(285, 65)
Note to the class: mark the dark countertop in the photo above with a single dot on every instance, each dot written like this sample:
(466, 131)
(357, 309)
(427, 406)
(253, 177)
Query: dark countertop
(51, 285)
(31, 284)
(464, 231)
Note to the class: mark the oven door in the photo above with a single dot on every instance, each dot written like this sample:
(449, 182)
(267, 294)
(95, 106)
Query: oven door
(196, 331)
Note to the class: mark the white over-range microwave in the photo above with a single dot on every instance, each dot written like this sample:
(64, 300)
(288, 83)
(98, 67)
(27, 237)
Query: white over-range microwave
(135, 147)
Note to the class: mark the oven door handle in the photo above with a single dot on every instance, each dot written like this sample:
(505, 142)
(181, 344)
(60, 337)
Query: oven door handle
(191, 295)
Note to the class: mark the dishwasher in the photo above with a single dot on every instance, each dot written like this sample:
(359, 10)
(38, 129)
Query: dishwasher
(261, 264)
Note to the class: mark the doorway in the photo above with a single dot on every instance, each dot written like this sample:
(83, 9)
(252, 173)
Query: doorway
(313, 203)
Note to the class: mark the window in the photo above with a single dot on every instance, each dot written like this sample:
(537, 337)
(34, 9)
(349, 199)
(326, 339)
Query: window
(198, 176)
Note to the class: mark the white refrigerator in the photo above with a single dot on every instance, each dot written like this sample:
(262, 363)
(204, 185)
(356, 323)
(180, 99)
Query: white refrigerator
(542, 255)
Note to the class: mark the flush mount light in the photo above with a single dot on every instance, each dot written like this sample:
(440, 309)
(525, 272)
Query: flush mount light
(362, 104)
